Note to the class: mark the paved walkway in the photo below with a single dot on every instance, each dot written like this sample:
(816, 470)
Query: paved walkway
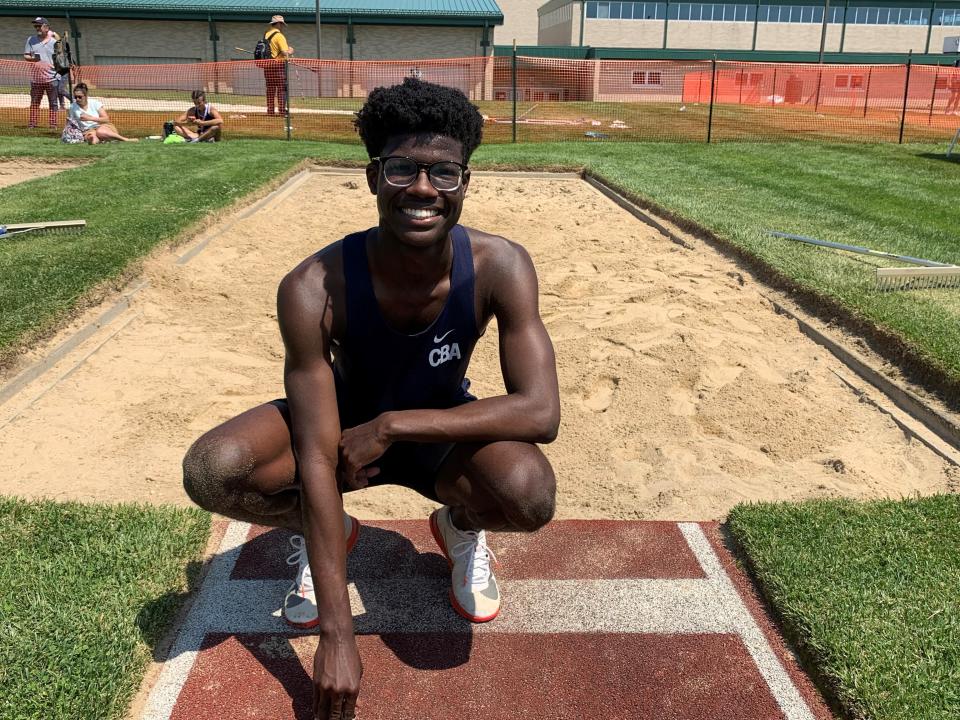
(601, 619)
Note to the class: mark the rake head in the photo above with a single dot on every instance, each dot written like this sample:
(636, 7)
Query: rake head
(54, 226)
(916, 278)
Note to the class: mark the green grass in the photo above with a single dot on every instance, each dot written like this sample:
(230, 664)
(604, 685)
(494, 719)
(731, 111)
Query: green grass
(86, 593)
(870, 593)
(899, 199)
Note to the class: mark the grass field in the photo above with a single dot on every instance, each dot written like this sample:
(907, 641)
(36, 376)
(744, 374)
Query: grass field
(869, 593)
(86, 593)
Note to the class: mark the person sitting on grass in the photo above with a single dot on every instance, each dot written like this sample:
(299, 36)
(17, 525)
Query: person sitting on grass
(379, 328)
(205, 119)
(91, 117)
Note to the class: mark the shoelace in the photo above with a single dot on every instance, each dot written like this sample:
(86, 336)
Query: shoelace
(298, 557)
(478, 556)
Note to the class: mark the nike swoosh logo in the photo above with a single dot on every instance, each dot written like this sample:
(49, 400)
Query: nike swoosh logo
(438, 339)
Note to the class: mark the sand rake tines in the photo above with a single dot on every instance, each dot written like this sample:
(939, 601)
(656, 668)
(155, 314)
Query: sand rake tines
(55, 226)
(916, 278)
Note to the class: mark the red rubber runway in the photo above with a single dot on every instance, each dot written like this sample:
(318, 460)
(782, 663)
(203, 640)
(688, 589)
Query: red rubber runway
(600, 619)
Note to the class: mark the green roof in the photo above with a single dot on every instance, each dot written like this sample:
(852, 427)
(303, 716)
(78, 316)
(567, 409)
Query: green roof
(294, 10)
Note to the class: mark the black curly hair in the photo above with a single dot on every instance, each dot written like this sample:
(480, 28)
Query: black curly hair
(416, 107)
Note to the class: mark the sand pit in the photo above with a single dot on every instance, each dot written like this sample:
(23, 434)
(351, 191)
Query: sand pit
(21, 170)
(683, 391)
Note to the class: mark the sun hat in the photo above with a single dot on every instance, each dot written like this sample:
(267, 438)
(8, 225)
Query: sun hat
(277, 19)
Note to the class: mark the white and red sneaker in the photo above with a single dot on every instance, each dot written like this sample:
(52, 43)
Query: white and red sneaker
(474, 592)
(300, 603)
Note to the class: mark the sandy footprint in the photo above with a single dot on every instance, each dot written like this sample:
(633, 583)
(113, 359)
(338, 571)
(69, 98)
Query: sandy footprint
(601, 394)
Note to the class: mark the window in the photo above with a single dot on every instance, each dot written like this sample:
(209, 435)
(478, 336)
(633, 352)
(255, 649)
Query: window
(852, 82)
(615, 10)
(591, 9)
(603, 10)
(948, 16)
(643, 78)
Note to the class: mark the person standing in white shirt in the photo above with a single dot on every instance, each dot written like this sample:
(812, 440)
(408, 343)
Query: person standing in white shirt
(39, 50)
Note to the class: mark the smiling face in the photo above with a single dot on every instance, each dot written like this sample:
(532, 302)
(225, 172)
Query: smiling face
(418, 215)
(42, 30)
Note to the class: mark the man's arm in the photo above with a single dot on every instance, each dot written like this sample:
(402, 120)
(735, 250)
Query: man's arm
(305, 318)
(530, 409)
(214, 120)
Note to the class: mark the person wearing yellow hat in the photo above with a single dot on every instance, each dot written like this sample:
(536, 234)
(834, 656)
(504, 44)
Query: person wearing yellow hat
(273, 69)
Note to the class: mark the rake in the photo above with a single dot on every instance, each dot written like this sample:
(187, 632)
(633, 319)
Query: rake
(7, 231)
(931, 274)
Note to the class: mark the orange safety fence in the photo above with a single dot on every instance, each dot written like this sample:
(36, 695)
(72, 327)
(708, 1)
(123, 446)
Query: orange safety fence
(523, 99)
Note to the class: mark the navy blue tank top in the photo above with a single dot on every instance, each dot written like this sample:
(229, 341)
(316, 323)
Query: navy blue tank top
(377, 368)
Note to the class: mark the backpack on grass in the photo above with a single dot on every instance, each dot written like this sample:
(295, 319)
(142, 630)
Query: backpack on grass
(261, 50)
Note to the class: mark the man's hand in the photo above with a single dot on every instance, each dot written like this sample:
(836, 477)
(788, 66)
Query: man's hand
(360, 446)
(336, 679)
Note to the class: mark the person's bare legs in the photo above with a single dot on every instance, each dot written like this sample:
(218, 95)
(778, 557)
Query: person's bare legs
(213, 132)
(184, 132)
(108, 132)
(498, 486)
(245, 469)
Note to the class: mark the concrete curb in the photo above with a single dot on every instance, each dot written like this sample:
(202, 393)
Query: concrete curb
(41, 366)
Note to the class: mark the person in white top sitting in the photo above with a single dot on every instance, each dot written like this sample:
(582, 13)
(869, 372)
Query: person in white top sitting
(91, 117)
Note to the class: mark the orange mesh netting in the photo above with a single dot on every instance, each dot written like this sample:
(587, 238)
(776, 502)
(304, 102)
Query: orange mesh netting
(525, 99)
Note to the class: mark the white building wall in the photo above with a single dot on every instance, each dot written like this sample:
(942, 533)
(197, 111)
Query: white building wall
(797, 36)
(519, 22)
(713, 35)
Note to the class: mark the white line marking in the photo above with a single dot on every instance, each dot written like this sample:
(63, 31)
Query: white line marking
(183, 654)
(789, 699)
(420, 604)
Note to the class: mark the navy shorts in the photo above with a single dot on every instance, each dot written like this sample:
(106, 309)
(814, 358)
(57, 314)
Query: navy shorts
(408, 464)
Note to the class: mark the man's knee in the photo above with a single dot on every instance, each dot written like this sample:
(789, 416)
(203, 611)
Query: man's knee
(530, 491)
(211, 468)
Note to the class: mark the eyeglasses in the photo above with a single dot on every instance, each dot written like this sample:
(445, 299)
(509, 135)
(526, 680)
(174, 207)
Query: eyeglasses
(399, 171)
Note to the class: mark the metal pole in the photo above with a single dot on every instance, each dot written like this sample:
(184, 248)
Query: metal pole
(713, 86)
(843, 26)
(906, 88)
(773, 91)
(933, 96)
(286, 92)
(319, 41)
(666, 22)
(933, 10)
(866, 95)
(514, 73)
(816, 103)
(823, 33)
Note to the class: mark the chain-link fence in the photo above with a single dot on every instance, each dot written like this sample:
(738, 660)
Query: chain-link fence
(523, 99)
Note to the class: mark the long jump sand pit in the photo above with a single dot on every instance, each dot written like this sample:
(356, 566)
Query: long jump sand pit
(683, 391)
(23, 169)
